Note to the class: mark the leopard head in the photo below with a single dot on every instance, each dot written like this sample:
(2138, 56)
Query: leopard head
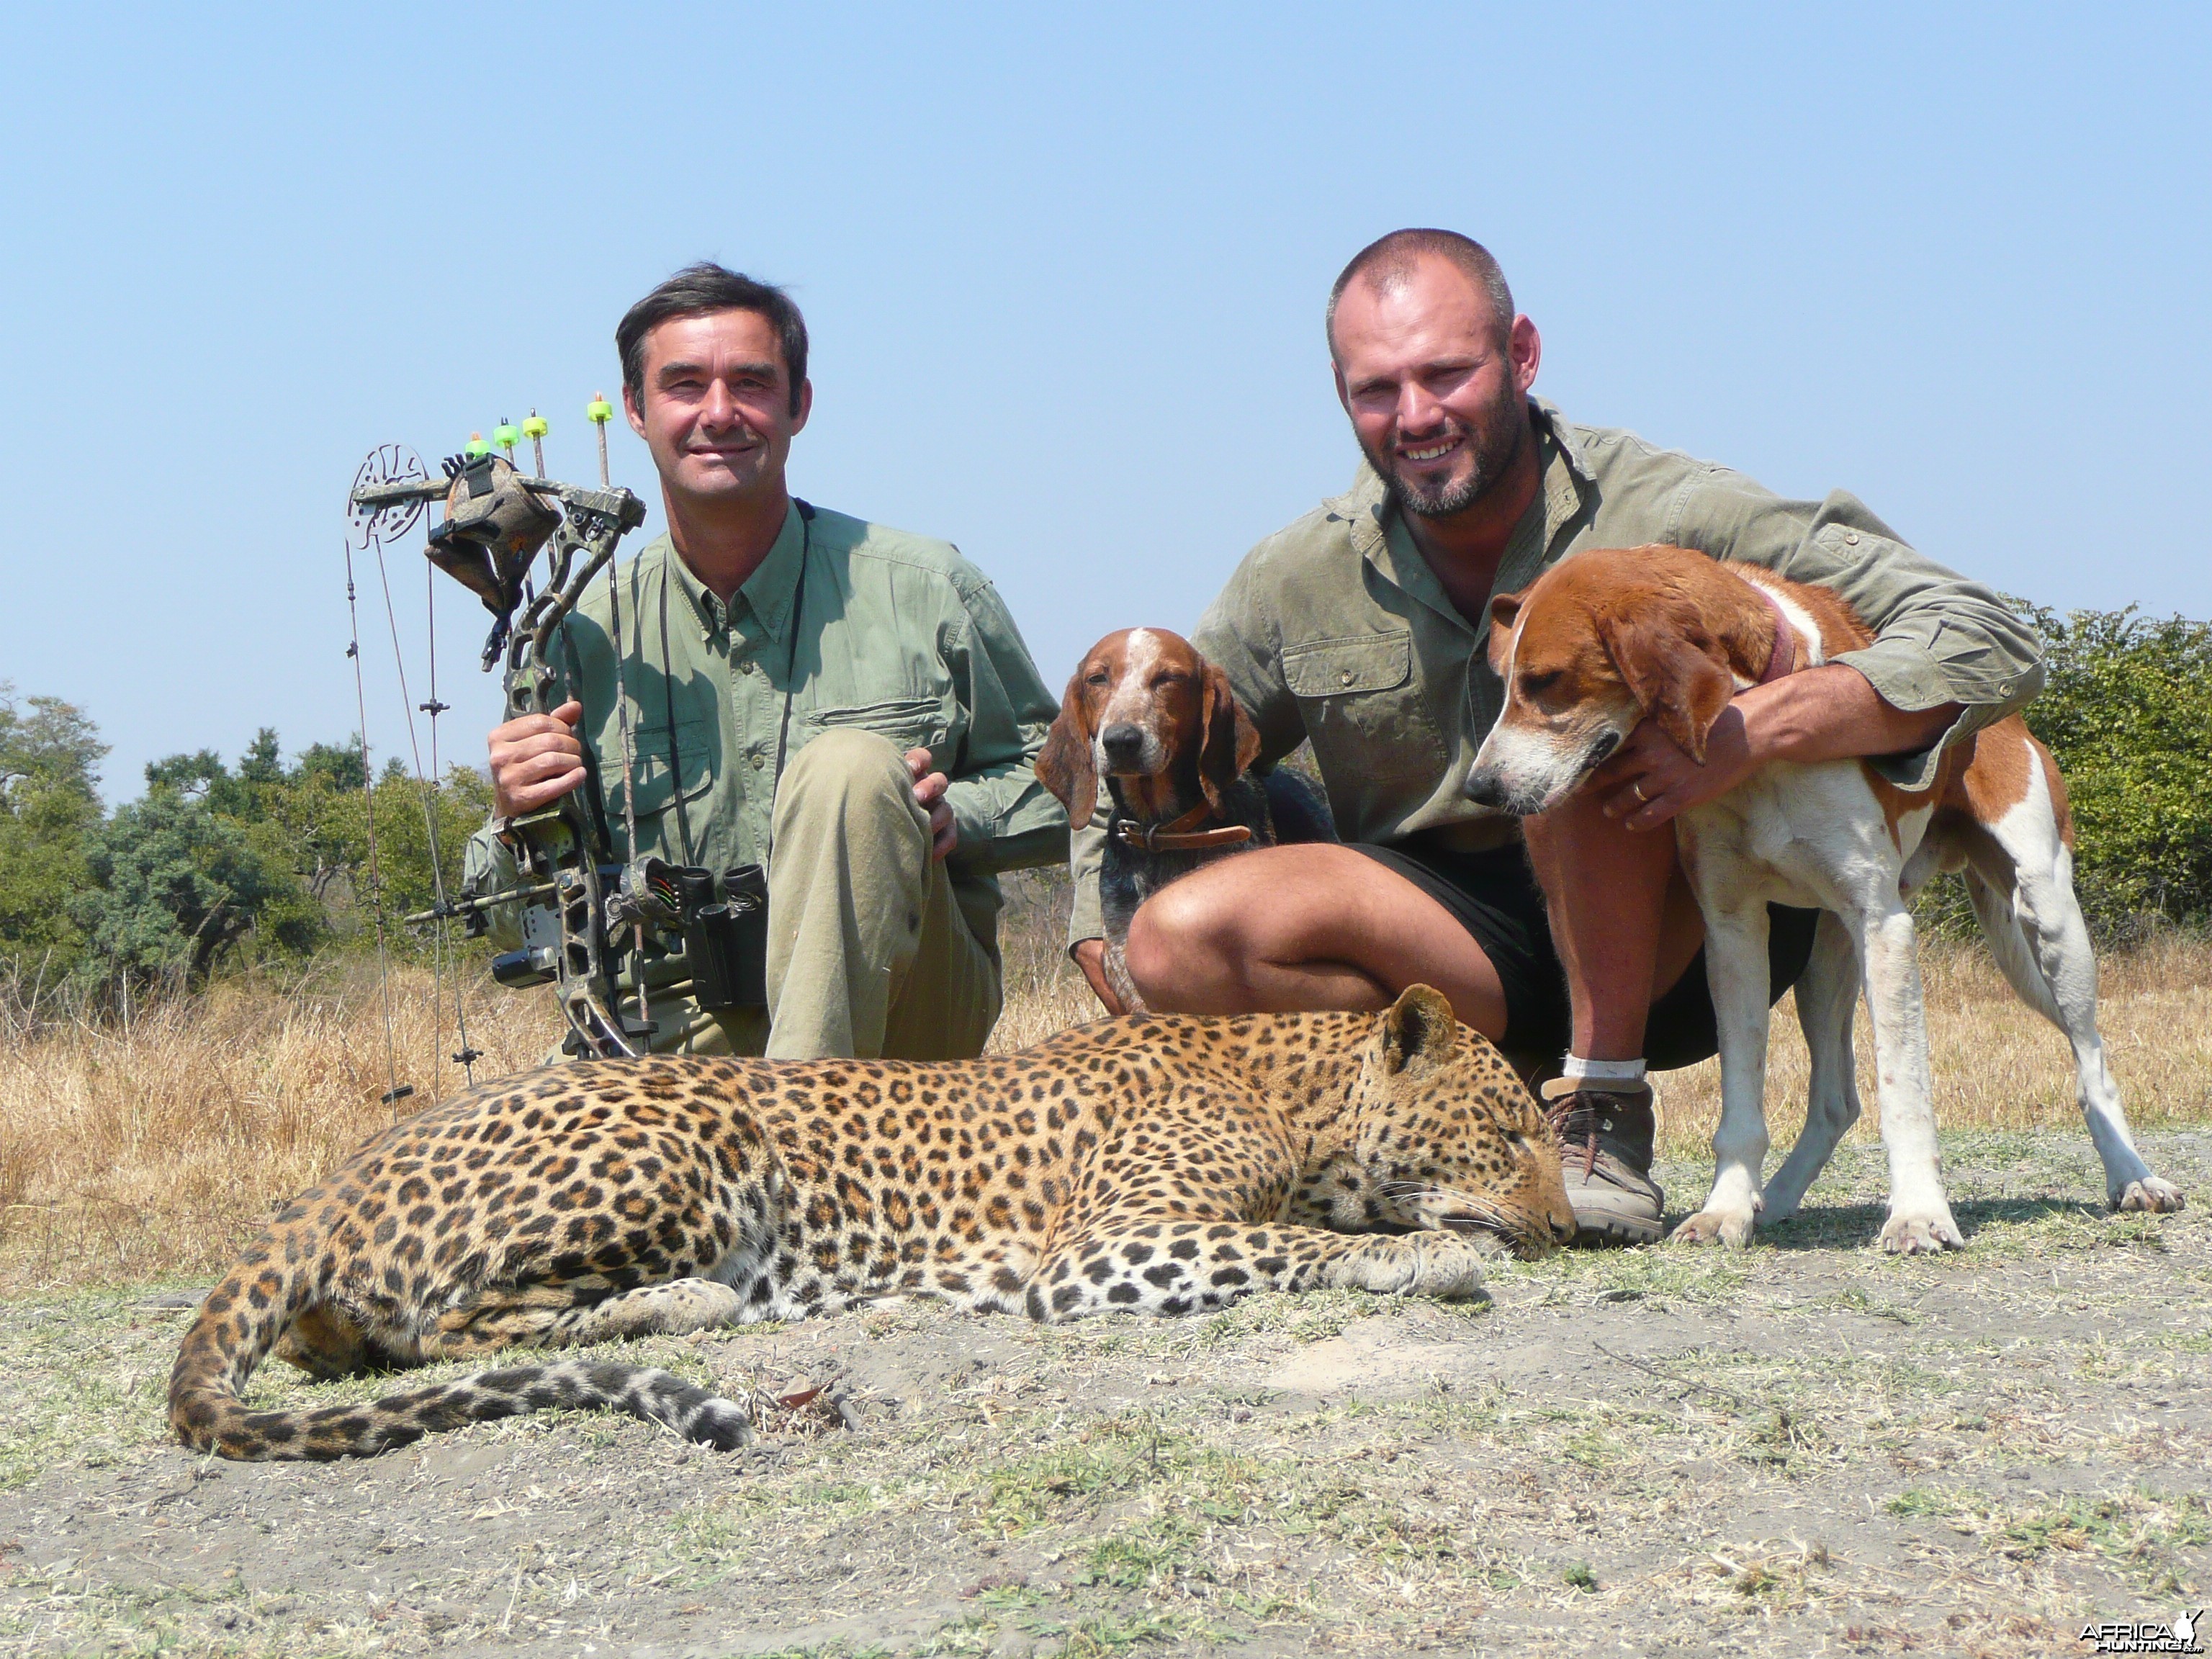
(1441, 1134)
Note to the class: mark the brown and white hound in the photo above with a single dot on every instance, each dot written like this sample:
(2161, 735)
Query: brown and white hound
(1158, 722)
(1614, 636)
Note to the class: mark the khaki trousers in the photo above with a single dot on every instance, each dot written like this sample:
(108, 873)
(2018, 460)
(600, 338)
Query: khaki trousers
(868, 954)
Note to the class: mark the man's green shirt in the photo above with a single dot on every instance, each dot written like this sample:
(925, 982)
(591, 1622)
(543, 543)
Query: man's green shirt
(887, 632)
(1336, 630)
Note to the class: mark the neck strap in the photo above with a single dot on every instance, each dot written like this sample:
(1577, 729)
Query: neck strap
(1783, 660)
(1183, 835)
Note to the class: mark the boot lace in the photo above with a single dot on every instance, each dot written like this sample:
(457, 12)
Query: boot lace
(1573, 1118)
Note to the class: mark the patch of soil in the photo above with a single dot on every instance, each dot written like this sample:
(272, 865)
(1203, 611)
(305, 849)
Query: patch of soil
(1805, 1446)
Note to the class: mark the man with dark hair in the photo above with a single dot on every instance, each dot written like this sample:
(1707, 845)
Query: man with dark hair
(848, 704)
(1570, 939)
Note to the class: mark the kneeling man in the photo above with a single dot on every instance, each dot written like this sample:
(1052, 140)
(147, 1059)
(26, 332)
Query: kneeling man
(848, 704)
(1571, 939)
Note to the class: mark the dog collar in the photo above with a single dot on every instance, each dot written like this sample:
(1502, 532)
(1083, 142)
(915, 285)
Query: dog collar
(1182, 834)
(1783, 660)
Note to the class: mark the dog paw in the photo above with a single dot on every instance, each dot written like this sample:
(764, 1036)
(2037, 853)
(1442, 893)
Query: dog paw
(2159, 1197)
(1922, 1235)
(1714, 1227)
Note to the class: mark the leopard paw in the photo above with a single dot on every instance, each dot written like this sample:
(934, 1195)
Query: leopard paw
(1441, 1265)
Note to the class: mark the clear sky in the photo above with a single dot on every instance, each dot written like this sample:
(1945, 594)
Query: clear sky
(1065, 276)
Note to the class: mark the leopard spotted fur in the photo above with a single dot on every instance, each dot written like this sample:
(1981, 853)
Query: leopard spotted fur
(1157, 1162)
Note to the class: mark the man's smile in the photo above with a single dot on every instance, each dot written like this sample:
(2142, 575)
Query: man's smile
(1434, 450)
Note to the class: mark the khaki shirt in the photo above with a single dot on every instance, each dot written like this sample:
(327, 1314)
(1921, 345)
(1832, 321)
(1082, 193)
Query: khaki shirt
(1337, 631)
(900, 635)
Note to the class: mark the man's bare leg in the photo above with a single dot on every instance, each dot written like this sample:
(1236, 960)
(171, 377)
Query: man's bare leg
(1624, 921)
(1625, 927)
(1307, 927)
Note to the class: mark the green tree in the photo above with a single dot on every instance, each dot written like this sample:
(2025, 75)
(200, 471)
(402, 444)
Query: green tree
(312, 819)
(50, 755)
(175, 885)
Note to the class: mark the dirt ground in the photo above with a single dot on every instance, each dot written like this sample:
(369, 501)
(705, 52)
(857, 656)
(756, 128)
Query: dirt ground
(1807, 1447)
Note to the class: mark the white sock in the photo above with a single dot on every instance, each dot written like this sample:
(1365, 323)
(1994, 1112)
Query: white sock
(1601, 1071)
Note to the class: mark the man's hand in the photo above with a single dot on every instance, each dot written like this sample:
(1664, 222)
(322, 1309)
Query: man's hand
(1090, 957)
(1829, 712)
(1650, 779)
(536, 760)
(929, 789)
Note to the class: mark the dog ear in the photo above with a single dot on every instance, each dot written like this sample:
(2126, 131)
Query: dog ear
(1505, 612)
(1673, 669)
(1419, 1031)
(1067, 765)
(1228, 741)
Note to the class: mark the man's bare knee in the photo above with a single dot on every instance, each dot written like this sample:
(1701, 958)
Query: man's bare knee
(1181, 935)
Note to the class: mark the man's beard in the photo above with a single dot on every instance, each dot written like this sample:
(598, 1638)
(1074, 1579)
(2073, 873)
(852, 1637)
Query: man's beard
(1493, 446)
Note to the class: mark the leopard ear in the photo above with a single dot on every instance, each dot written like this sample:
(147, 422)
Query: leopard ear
(1228, 741)
(1067, 765)
(1419, 1030)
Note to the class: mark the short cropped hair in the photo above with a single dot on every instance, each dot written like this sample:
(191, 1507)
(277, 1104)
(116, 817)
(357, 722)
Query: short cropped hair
(697, 291)
(1390, 260)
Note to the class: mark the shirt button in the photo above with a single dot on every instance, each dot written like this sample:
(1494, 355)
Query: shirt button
(1851, 537)
(759, 761)
(1344, 678)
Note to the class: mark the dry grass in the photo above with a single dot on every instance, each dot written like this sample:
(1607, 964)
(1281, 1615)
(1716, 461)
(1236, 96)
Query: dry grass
(152, 1149)
(1996, 1065)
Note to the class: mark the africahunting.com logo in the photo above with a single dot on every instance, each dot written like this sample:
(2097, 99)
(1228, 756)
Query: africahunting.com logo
(2116, 1636)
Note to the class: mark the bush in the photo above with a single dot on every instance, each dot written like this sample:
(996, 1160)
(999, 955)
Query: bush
(2127, 713)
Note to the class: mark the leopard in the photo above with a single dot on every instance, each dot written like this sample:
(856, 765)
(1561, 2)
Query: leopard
(1159, 1164)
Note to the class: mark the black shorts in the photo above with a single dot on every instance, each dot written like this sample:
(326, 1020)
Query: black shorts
(1495, 897)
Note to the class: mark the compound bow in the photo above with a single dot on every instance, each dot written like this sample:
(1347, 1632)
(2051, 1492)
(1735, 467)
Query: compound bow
(497, 520)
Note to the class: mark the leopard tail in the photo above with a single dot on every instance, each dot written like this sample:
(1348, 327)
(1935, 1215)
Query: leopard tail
(238, 1325)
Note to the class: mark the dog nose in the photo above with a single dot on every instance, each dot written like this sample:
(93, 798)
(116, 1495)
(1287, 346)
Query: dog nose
(1484, 787)
(1123, 741)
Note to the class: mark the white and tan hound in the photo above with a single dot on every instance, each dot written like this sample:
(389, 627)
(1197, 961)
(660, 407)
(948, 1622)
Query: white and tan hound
(1614, 636)
(1159, 723)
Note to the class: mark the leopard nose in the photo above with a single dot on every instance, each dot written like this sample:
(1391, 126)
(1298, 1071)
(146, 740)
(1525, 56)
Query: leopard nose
(1123, 742)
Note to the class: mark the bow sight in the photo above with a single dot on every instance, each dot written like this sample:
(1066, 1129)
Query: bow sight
(497, 521)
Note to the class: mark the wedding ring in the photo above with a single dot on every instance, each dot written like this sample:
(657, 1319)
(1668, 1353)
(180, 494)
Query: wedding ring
(1637, 787)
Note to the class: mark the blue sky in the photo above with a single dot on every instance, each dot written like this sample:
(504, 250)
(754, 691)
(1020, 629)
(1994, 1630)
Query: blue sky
(1065, 274)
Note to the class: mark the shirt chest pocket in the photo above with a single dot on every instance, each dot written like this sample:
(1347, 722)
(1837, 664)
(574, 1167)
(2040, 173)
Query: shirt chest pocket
(906, 723)
(1362, 703)
(667, 763)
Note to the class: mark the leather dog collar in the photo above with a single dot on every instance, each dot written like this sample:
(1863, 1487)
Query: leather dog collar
(1783, 660)
(1183, 835)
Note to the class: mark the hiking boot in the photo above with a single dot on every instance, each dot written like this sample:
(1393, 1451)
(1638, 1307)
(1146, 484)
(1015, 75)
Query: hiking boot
(1605, 1151)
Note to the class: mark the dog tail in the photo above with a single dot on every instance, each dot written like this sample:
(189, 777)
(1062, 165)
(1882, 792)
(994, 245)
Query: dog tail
(238, 1325)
